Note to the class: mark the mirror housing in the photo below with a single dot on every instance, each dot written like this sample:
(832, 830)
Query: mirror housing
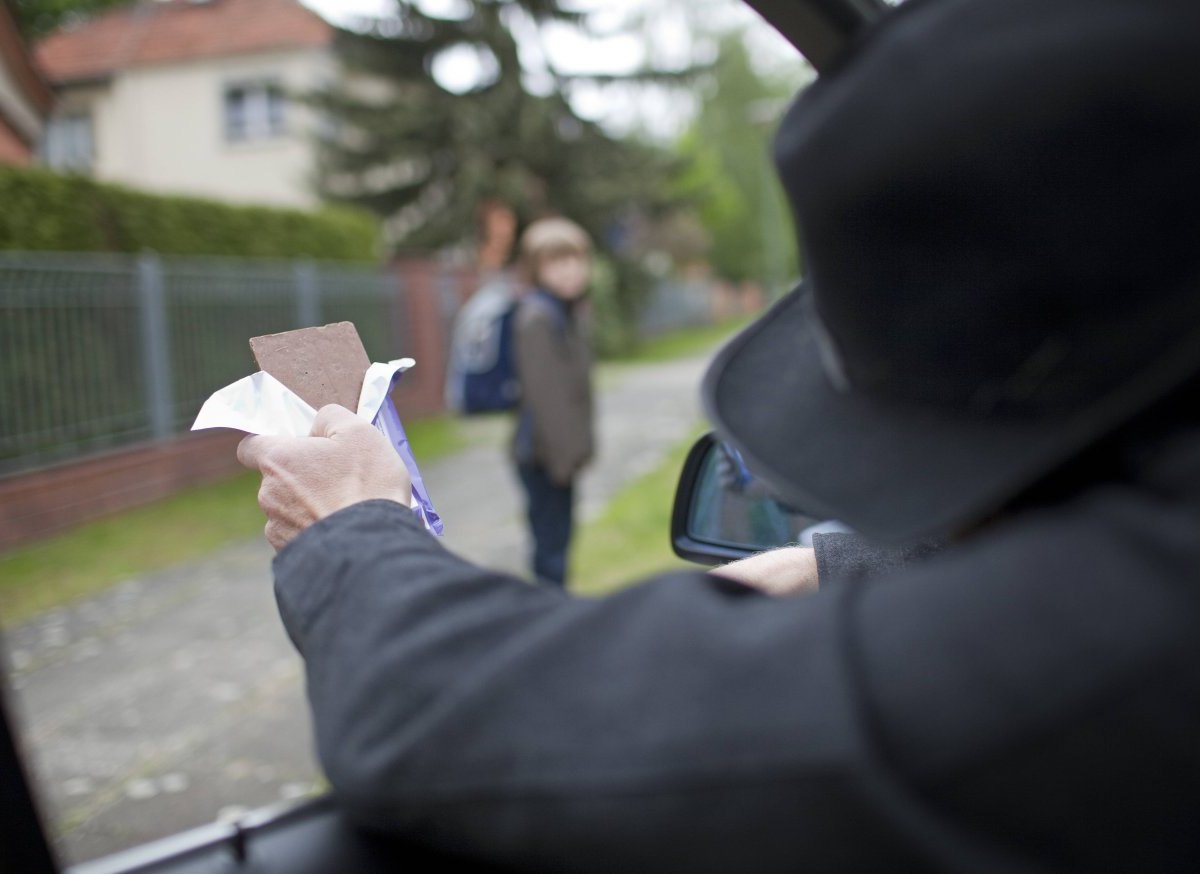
(723, 512)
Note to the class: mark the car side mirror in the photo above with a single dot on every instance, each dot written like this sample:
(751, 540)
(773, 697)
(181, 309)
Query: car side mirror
(723, 512)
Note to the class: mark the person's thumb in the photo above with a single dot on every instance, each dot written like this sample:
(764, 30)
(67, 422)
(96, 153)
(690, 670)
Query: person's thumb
(332, 420)
(254, 447)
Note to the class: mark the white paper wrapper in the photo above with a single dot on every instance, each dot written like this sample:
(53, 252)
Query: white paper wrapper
(261, 404)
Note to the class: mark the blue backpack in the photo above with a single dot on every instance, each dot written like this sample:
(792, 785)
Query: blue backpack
(482, 372)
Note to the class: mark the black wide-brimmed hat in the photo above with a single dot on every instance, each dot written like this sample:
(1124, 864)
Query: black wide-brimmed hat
(999, 206)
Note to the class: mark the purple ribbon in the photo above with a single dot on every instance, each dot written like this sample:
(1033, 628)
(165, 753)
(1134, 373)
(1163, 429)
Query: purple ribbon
(387, 420)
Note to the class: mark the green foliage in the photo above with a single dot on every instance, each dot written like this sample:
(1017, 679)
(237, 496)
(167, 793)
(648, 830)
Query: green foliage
(631, 539)
(684, 342)
(728, 175)
(617, 291)
(613, 326)
(46, 211)
(38, 18)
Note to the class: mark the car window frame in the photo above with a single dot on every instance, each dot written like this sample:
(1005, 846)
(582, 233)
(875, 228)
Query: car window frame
(820, 30)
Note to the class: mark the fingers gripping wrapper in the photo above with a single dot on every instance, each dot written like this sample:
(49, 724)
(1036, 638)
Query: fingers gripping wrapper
(303, 371)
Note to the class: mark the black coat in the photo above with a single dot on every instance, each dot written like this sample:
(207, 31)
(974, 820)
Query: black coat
(1029, 700)
(554, 364)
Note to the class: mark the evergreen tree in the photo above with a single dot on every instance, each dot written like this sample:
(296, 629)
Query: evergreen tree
(37, 18)
(728, 175)
(424, 157)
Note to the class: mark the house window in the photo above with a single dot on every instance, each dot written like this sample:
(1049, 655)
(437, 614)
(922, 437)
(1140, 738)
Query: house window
(254, 111)
(67, 143)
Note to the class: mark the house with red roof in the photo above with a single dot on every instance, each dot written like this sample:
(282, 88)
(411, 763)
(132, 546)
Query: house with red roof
(25, 97)
(191, 97)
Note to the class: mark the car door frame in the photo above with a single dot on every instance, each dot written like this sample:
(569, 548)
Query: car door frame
(316, 832)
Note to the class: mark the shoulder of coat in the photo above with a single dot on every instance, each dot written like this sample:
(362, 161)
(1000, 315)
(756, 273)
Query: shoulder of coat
(533, 311)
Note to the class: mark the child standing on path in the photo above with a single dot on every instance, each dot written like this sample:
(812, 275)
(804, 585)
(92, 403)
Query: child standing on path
(554, 437)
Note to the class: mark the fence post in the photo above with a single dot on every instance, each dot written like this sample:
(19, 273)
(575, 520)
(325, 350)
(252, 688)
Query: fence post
(156, 348)
(308, 294)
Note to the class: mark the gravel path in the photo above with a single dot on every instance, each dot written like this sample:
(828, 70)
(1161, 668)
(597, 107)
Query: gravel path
(175, 699)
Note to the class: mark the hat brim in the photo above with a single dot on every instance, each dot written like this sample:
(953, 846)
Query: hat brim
(895, 471)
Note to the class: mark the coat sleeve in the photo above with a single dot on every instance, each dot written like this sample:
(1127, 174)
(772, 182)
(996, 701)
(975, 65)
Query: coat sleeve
(561, 420)
(849, 558)
(692, 724)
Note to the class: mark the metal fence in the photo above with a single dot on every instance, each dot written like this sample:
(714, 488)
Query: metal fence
(99, 351)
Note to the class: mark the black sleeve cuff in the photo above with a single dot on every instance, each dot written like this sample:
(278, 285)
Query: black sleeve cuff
(843, 558)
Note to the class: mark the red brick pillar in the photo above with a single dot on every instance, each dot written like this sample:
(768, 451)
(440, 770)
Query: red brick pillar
(420, 391)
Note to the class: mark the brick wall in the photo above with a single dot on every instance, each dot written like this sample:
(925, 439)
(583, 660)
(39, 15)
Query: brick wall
(39, 504)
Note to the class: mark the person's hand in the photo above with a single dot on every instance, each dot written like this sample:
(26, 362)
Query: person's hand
(788, 571)
(305, 479)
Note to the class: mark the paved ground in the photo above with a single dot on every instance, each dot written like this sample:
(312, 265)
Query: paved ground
(175, 699)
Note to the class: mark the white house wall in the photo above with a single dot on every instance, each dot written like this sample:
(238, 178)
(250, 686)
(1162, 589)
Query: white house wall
(162, 129)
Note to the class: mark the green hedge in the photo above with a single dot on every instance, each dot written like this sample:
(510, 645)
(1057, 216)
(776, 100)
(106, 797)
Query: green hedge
(44, 211)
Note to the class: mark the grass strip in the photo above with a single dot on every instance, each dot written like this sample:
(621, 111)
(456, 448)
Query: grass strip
(682, 343)
(87, 559)
(631, 538)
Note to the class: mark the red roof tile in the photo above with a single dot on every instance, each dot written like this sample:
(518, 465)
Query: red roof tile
(162, 31)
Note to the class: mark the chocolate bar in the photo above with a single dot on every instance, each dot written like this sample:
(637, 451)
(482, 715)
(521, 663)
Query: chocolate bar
(322, 365)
